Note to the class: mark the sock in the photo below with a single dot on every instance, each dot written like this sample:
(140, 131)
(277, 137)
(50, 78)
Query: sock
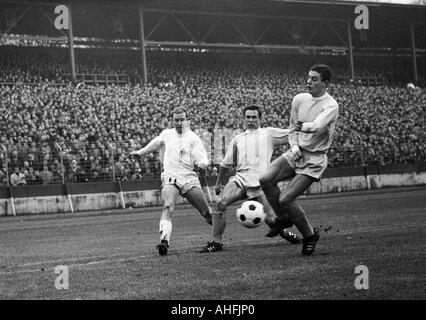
(219, 224)
(298, 217)
(165, 230)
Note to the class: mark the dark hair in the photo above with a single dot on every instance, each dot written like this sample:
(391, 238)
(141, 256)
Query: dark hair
(253, 107)
(179, 110)
(324, 70)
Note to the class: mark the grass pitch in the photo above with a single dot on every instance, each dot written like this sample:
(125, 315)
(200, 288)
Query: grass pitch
(113, 255)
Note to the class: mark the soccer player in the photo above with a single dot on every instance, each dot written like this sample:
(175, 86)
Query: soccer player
(183, 152)
(251, 152)
(312, 124)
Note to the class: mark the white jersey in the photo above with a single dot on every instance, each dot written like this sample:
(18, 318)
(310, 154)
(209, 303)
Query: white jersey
(319, 116)
(179, 152)
(251, 152)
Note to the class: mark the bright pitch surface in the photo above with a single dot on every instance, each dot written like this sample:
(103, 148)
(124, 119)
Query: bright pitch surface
(113, 255)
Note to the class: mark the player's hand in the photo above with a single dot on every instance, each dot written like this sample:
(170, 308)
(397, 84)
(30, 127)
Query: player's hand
(297, 154)
(298, 125)
(217, 189)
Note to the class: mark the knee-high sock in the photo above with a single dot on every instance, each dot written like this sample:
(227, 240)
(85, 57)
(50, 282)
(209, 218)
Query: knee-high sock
(298, 217)
(165, 229)
(219, 224)
(272, 194)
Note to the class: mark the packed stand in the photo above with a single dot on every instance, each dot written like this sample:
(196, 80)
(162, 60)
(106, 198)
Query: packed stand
(55, 134)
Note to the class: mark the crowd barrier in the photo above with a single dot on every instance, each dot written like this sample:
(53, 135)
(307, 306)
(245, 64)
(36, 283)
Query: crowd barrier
(84, 197)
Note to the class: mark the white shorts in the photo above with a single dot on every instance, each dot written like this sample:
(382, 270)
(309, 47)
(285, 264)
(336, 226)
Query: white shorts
(183, 183)
(251, 189)
(312, 164)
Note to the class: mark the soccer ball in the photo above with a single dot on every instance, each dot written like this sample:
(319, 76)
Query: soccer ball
(251, 214)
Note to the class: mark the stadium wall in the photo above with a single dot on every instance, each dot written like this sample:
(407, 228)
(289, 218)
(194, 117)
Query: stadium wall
(83, 197)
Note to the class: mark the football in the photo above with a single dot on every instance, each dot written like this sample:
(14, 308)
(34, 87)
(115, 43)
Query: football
(251, 214)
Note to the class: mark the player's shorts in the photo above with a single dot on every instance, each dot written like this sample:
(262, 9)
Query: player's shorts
(312, 164)
(184, 184)
(251, 190)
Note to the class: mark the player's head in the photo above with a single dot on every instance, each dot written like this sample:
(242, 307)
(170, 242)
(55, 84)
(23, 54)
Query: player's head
(179, 118)
(252, 115)
(318, 78)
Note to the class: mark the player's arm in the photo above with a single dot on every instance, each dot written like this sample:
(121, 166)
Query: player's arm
(293, 138)
(278, 136)
(199, 154)
(153, 145)
(326, 116)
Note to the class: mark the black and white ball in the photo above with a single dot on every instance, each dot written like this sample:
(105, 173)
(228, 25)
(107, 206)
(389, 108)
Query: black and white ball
(251, 214)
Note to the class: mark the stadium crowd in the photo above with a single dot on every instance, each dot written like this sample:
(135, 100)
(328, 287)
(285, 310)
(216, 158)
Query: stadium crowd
(53, 133)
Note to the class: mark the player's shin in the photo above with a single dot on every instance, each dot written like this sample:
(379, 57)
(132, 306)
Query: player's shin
(270, 221)
(298, 217)
(208, 216)
(272, 194)
(218, 226)
(165, 229)
(270, 214)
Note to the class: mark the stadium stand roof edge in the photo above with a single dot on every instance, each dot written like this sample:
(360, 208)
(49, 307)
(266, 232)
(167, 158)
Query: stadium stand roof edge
(376, 3)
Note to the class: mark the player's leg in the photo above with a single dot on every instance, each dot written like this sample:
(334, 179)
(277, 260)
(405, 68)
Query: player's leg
(278, 170)
(270, 220)
(195, 196)
(230, 194)
(270, 215)
(296, 187)
(169, 195)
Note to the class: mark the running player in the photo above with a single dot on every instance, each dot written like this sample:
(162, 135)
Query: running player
(251, 152)
(312, 124)
(183, 151)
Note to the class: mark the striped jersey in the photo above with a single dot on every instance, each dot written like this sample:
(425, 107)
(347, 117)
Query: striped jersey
(251, 152)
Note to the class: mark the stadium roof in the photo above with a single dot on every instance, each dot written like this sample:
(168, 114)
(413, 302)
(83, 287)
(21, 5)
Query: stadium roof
(238, 23)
